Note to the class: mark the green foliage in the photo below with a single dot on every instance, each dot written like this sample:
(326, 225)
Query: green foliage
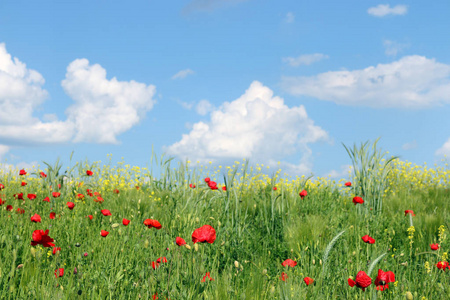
(370, 173)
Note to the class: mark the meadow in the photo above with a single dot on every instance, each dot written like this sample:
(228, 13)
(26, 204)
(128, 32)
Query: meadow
(118, 232)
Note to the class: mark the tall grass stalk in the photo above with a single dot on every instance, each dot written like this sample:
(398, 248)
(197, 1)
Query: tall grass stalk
(370, 172)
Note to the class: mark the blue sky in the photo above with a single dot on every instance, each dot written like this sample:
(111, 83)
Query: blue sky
(222, 80)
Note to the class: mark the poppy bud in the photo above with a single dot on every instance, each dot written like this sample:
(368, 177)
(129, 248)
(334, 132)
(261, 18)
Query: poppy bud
(146, 244)
(115, 225)
(33, 252)
(409, 296)
(196, 247)
(236, 263)
(314, 261)
(264, 271)
(188, 247)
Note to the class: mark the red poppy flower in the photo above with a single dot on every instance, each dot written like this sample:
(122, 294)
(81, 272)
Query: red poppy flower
(116, 191)
(358, 200)
(161, 260)
(46, 199)
(368, 239)
(152, 223)
(19, 196)
(89, 192)
(204, 234)
(22, 172)
(104, 233)
(383, 279)
(442, 265)
(52, 215)
(192, 186)
(40, 237)
(409, 212)
(20, 211)
(36, 218)
(180, 241)
(283, 276)
(70, 205)
(137, 187)
(1, 202)
(43, 175)
(207, 276)
(348, 184)
(59, 272)
(97, 194)
(207, 179)
(98, 199)
(23, 183)
(1, 186)
(155, 265)
(274, 188)
(90, 217)
(89, 173)
(125, 222)
(362, 280)
(303, 194)
(9, 207)
(308, 280)
(224, 188)
(434, 247)
(56, 249)
(106, 212)
(56, 194)
(289, 263)
(212, 185)
(31, 196)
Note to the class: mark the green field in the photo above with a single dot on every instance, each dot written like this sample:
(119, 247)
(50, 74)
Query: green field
(257, 228)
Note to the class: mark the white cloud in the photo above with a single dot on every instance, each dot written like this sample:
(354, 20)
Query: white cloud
(103, 108)
(306, 59)
(290, 17)
(257, 125)
(385, 9)
(20, 90)
(413, 81)
(207, 5)
(343, 173)
(444, 150)
(182, 74)
(409, 146)
(3, 150)
(392, 48)
(204, 107)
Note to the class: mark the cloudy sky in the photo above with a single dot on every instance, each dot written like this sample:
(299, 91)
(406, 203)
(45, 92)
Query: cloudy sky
(283, 83)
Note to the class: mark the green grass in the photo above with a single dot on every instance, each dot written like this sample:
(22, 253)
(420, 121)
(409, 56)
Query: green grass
(255, 225)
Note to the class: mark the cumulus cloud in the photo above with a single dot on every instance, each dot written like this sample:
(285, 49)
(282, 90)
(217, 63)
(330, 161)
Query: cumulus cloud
(409, 146)
(21, 90)
(102, 108)
(306, 59)
(207, 5)
(257, 125)
(413, 82)
(444, 150)
(182, 74)
(342, 173)
(3, 150)
(392, 48)
(204, 107)
(290, 17)
(385, 9)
